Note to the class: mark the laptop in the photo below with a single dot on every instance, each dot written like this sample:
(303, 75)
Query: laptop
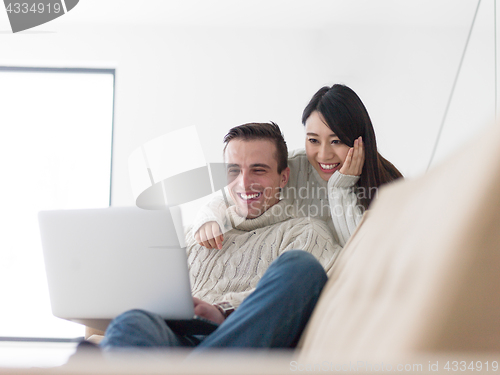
(103, 262)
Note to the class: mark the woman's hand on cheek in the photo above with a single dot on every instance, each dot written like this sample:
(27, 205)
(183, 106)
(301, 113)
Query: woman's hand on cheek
(355, 159)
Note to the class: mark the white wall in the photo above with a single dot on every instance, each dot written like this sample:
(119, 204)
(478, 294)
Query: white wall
(219, 77)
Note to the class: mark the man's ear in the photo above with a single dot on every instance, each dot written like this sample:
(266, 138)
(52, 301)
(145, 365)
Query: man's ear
(285, 175)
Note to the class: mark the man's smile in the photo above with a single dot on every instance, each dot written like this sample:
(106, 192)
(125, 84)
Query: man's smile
(248, 197)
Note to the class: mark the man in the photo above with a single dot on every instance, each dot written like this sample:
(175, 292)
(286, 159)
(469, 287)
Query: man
(271, 312)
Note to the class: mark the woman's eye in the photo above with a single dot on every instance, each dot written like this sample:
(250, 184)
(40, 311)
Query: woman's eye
(336, 142)
(312, 140)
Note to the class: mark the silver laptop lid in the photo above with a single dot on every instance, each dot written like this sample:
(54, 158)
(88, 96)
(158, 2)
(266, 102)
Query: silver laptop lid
(102, 262)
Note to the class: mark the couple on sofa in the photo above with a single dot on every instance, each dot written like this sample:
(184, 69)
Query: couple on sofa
(258, 261)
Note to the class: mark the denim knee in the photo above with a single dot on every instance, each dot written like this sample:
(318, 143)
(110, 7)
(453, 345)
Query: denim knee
(304, 263)
(135, 315)
(297, 255)
(134, 320)
(302, 258)
(134, 328)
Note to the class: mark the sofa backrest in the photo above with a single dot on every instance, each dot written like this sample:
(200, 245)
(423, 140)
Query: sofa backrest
(422, 272)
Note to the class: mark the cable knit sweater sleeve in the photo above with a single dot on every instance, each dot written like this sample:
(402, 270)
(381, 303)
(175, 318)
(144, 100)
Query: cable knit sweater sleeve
(346, 214)
(214, 210)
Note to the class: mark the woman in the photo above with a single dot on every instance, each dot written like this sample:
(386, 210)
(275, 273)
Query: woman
(335, 178)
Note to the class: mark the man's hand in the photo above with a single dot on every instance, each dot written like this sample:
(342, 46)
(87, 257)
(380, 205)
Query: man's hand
(209, 235)
(353, 163)
(207, 311)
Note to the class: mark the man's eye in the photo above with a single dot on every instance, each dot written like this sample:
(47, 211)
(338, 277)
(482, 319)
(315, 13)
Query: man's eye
(233, 171)
(259, 170)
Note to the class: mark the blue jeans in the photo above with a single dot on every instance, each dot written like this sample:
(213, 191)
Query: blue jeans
(273, 316)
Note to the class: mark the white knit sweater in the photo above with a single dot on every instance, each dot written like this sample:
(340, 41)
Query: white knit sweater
(232, 273)
(334, 202)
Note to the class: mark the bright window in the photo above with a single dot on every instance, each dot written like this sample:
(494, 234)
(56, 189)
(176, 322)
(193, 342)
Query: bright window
(55, 152)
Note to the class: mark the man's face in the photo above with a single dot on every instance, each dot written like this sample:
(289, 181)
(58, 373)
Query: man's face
(253, 179)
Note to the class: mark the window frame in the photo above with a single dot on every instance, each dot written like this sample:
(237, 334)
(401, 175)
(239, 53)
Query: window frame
(34, 69)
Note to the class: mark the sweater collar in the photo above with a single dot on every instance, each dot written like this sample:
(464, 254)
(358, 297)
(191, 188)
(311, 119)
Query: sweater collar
(281, 211)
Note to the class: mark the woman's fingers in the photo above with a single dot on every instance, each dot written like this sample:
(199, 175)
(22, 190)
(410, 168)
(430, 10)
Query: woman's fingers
(209, 235)
(217, 235)
(358, 158)
(355, 159)
(346, 167)
(203, 239)
(361, 157)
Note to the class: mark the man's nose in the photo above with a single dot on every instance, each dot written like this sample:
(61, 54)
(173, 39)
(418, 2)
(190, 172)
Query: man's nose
(245, 180)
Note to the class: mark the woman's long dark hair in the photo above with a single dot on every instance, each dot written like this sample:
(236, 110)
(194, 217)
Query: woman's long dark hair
(347, 117)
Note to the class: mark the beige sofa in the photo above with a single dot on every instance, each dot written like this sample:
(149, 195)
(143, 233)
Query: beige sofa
(417, 284)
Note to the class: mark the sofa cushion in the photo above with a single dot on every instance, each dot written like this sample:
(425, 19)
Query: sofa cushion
(422, 272)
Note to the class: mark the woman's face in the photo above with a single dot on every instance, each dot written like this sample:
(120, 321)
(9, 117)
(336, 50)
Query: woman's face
(324, 150)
